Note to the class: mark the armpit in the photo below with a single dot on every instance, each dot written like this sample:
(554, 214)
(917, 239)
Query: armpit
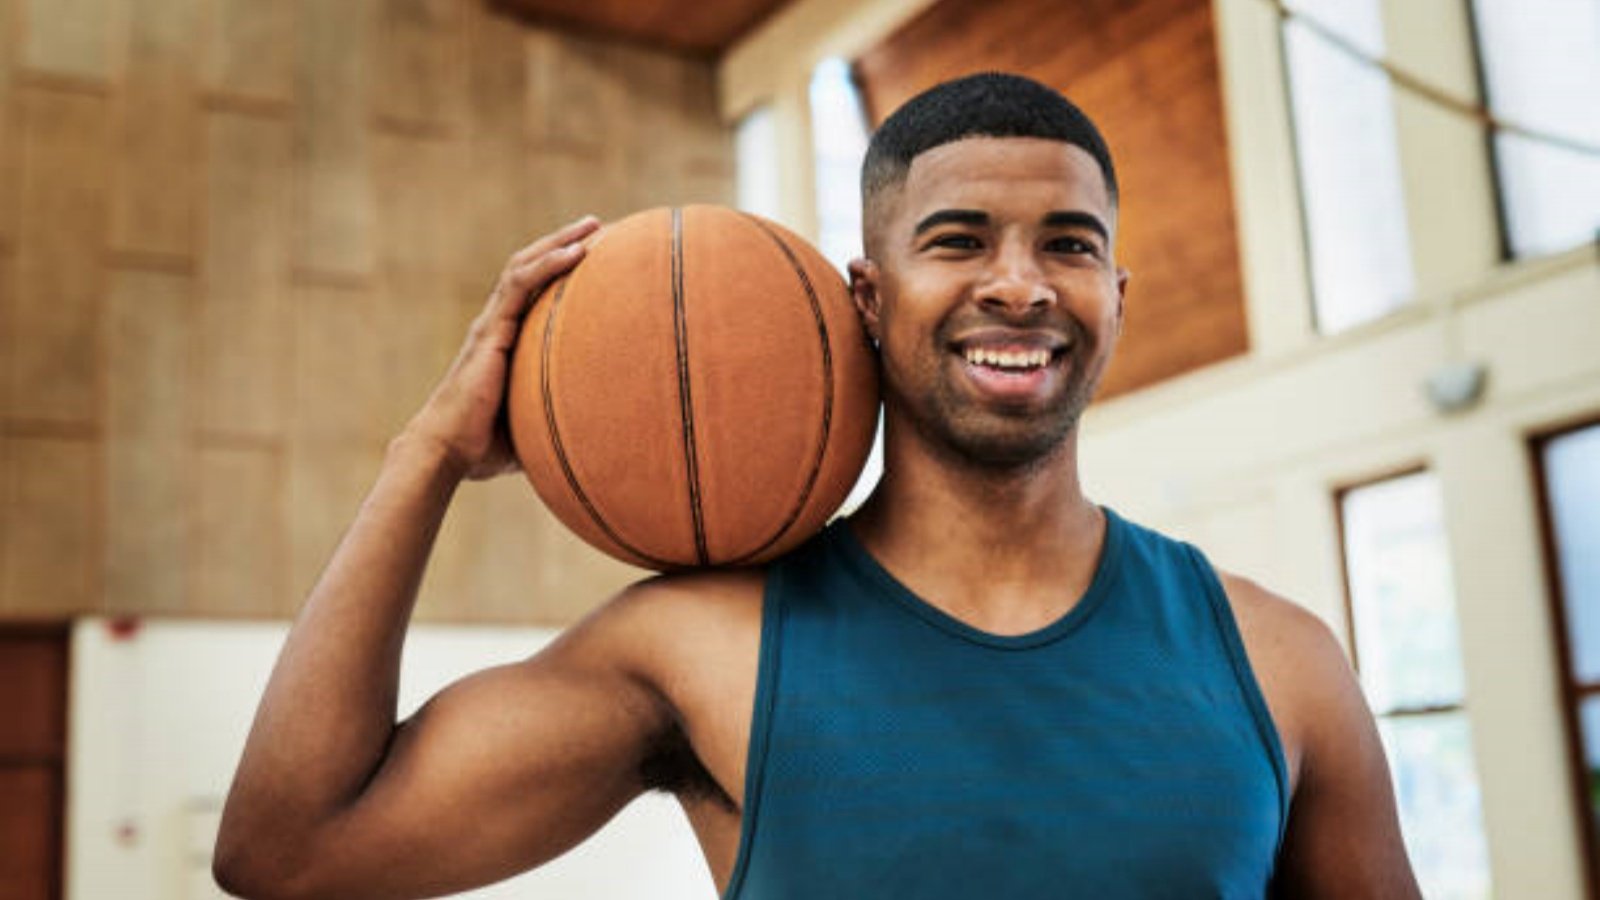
(670, 765)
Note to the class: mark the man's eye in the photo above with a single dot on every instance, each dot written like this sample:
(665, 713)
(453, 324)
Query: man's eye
(1071, 245)
(956, 242)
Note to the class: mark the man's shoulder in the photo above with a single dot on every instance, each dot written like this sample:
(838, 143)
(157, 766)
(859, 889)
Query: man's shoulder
(1280, 623)
(1298, 661)
(659, 625)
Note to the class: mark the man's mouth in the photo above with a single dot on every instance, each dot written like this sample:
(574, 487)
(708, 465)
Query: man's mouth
(1008, 360)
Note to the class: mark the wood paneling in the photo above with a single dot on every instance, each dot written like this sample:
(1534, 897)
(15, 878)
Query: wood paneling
(30, 832)
(247, 243)
(501, 212)
(1146, 72)
(422, 64)
(33, 679)
(72, 38)
(702, 27)
(237, 533)
(338, 378)
(250, 50)
(157, 137)
(246, 319)
(8, 127)
(334, 191)
(33, 740)
(326, 483)
(52, 529)
(66, 162)
(151, 322)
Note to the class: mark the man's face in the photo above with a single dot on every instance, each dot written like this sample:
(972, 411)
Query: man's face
(993, 295)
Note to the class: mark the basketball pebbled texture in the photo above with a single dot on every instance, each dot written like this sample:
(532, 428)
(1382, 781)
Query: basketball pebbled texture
(697, 391)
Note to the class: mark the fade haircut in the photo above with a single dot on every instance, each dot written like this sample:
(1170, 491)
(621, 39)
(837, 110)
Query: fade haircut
(989, 104)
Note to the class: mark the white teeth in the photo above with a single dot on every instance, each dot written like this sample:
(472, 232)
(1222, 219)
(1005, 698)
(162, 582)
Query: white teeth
(1029, 359)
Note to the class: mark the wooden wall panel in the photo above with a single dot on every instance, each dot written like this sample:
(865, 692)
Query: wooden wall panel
(246, 317)
(334, 203)
(66, 162)
(245, 249)
(500, 208)
(151, 321)
(421, 64)
(324, 489)
(237, 532)
(9, 129)
(10, 334)
(71, 38)
(157, 138)
(30, 832)
(52, 531)
(33, 679)
(1146, 72)
(338, 386)
(250, 50)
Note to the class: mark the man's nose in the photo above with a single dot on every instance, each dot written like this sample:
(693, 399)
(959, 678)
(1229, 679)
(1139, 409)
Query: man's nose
(1016, 284)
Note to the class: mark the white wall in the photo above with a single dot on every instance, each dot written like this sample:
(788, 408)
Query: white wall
(159, 717)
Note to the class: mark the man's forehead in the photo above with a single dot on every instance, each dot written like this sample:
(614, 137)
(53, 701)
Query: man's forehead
(1004, 168)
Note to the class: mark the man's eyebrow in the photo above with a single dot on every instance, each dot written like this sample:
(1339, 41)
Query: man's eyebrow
(1077, 219)
(973, 217)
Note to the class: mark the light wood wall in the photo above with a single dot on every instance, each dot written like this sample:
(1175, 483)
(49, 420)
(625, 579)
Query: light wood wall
(239, 243)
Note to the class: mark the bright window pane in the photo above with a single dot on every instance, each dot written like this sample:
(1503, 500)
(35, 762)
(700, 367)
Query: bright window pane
(1541, 61)
(1572, 473)
(1349, 166)
(1441, 813)
(756, 146)
(839, 143)
(1402, 594)
(1589, 721)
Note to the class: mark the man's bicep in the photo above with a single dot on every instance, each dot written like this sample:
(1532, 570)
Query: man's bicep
(498, 773)
(1343, 838)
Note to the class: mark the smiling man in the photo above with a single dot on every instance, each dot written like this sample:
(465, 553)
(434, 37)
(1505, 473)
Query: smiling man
(981, 684)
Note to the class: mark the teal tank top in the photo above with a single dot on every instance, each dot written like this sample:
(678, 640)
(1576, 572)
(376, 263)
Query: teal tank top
(1123, 751)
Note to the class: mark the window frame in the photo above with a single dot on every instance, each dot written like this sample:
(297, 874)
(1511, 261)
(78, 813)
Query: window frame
(1572, 692)
(1497, 181)
(1401, 712)
(1313, 315)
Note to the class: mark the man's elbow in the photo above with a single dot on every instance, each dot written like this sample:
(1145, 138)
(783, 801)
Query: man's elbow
(256, 870)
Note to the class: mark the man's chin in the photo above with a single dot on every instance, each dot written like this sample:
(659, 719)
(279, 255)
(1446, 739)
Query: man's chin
(1022, 443)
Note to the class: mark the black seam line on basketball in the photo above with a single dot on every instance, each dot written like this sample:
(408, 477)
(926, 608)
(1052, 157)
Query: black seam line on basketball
(680, 324)
(827, 390)
(555, 437)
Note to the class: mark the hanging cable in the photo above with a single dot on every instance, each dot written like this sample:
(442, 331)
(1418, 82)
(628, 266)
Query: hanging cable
(1432, 93)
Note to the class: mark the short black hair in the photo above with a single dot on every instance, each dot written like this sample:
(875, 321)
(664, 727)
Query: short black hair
(988, 104)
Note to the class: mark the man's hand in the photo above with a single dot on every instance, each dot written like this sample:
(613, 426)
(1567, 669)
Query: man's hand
(465, 415)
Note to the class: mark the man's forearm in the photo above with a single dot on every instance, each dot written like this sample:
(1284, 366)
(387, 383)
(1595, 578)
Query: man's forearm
(329, 709)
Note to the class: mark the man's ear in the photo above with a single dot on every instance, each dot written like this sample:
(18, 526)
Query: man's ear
(1122, 294)
(864, 275)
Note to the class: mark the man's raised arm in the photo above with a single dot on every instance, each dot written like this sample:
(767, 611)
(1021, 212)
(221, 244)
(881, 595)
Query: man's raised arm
(500, 771)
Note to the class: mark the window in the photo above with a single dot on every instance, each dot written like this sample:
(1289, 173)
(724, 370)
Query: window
(1355, 219)
(1569, 466)
(839, 143)
(1541, 67)
(1407, 650)
(756, 148)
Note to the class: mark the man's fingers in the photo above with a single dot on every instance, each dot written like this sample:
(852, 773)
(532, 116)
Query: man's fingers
(566, 234)
(524, 281)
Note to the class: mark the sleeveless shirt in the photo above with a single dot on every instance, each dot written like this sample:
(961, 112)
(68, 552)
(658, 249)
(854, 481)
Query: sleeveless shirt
(1123, 751)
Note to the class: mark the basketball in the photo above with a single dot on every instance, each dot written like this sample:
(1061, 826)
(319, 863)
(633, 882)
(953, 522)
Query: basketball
(697, 391)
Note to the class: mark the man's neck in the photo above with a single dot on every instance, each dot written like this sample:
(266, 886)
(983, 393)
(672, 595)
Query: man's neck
(1005, 550)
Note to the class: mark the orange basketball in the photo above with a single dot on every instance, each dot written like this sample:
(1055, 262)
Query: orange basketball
(697, 391)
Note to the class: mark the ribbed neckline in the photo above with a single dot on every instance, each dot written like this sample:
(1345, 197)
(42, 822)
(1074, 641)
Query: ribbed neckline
(864, 565)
